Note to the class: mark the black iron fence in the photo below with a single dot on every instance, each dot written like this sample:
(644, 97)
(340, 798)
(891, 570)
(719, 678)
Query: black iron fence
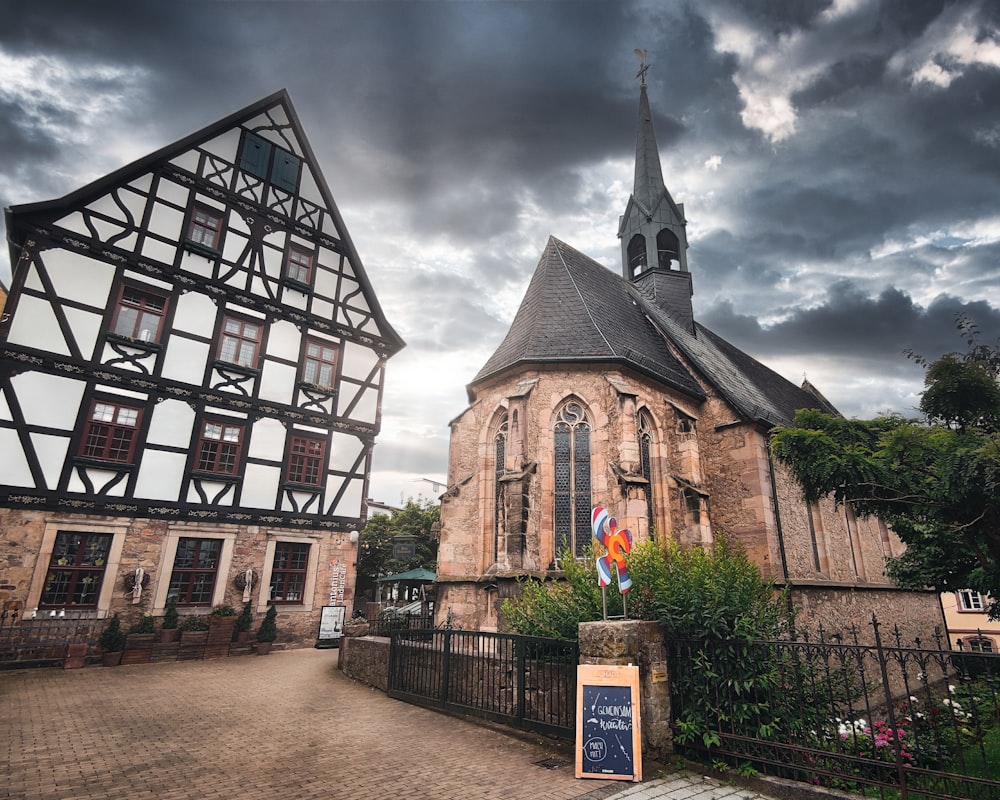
(43, 640)
(522, 681)
(388, 621)
(869, 716)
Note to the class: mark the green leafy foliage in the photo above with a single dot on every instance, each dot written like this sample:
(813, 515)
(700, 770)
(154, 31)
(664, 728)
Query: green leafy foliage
(375, 559)
(935, 481)
(193, 622)
(268, 630)
(245, 619)
(112, 638)
(146, 624)
(170, 615)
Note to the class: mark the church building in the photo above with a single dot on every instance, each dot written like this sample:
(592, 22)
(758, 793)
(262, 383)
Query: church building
(607, 391)
(191, 372)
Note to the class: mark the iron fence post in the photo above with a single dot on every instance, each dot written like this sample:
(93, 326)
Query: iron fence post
(897, 745)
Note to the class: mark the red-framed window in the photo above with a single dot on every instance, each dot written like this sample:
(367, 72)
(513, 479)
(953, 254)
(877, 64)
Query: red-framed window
(306, 456)
(219, 446)
(111, 431)
(288, 573)
(196, 566)
(76, 570)
(319, 367)
(240, 341)
(205, 227)
(139, 314)
(299, 264)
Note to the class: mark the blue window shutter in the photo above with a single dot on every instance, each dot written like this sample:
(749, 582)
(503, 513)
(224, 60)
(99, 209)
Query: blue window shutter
(255, 155)
(285, 171)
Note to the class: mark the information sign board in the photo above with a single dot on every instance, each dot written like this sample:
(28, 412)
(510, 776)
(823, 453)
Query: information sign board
(331, 626)
(608, 728)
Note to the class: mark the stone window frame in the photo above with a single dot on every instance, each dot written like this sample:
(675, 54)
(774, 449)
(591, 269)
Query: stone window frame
(312, 573)
(166, 567)
(55, 526)
(496, 466)
(584, 422)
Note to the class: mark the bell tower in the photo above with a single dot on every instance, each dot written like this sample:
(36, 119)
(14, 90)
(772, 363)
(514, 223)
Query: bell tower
(653, 229)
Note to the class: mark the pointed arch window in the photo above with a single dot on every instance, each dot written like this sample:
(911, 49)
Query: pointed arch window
(499, 504)
(636, 255)
(646, 440)
(668, 249)
(572, 480)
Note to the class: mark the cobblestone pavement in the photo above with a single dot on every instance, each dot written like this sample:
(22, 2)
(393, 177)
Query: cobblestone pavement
(288, 725)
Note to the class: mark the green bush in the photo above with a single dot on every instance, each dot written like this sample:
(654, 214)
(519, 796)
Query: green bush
(193, 622)
(146, 624)
(112, 637)
(245, 619)
(268, 630)
(223, 611)
(170, 615)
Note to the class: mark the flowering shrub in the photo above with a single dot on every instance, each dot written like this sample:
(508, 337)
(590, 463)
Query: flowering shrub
(877, 740)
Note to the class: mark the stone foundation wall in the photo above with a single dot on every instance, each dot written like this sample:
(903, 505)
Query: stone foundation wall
(366, 659)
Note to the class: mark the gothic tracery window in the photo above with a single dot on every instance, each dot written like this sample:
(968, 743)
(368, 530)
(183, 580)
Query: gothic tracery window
(499, 505)
(572, 480)
(646, 461)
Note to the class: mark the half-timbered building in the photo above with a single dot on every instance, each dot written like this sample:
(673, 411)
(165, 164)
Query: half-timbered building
(191, 370)
(607, 391)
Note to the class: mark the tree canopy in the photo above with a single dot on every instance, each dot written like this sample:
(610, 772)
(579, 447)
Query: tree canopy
(934, 480)
(375, 558)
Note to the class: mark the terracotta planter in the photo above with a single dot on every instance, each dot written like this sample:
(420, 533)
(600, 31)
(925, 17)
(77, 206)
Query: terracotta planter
(242, 637)
(75, 657)
(263, 648)
(112, 659)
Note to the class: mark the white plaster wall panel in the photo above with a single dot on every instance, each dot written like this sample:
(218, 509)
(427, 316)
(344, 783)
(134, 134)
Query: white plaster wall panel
(348, 270)
(148, 280)
(330, 227)
(51, 453)
(171, 424)
(297, 501)
(217, 493)
(294, 298)
(322, 309)
(157, 250)
(100, 478)
(86, 327)
(283, 341)
(185, 360)
(32, 280)
(308, 188)
(350, 504)
(366, 409)
(106, 230)
(188, 161)
(73, 222)
(358, 361)
(35, 325)
(277, 382)
(326, 282)
(173, 192)
(196, 263)
(160, 475)
(260, 486)
(344, 450)
(48, 401)
(371, 327)
(13, 466)
(5, 408)
(194, 313)
(142, 183)
(78, 277)
(166, 222)
(224, 145)
(267, 440)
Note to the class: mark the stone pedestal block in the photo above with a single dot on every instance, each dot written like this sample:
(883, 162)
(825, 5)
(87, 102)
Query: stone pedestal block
(637, 642)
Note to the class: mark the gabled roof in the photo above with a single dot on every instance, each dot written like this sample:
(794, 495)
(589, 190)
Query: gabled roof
(268, 108)
(577, 311)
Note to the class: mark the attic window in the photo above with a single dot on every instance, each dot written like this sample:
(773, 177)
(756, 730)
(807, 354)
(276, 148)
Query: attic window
(266, 161)
(285, 171)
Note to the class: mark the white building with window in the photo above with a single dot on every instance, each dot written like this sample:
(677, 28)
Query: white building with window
(191, 370)
(969, 626)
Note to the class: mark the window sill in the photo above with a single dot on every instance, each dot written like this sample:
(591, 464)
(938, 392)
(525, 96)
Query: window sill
(227, 366)
(201, 250)
(328, 391)
(297, 285)
(222, 477)
(138, 344)
(301, 487)
(87, 461)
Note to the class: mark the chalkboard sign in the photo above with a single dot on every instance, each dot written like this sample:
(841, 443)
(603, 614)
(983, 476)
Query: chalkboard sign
(331, 626)
(608, 730)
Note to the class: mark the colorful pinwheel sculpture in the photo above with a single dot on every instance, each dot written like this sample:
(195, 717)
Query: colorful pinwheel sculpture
(618, 542)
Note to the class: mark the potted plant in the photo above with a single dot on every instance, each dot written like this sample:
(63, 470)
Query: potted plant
(194, 635)
(168, 628)
(220, 631)
(139, 643)
(243, 623)
(112, 642)
(268, 631)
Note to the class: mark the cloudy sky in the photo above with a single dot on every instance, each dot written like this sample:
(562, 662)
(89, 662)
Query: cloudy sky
(839, 161)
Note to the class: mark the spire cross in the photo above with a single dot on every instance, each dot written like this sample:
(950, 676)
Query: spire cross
(643, 67)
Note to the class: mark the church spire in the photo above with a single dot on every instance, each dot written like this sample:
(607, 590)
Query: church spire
(653, 230)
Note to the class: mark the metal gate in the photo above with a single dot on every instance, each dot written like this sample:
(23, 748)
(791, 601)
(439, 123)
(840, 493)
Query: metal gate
(522, 681)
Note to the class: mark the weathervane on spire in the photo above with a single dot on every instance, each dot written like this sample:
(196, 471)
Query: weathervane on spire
(643, 67)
